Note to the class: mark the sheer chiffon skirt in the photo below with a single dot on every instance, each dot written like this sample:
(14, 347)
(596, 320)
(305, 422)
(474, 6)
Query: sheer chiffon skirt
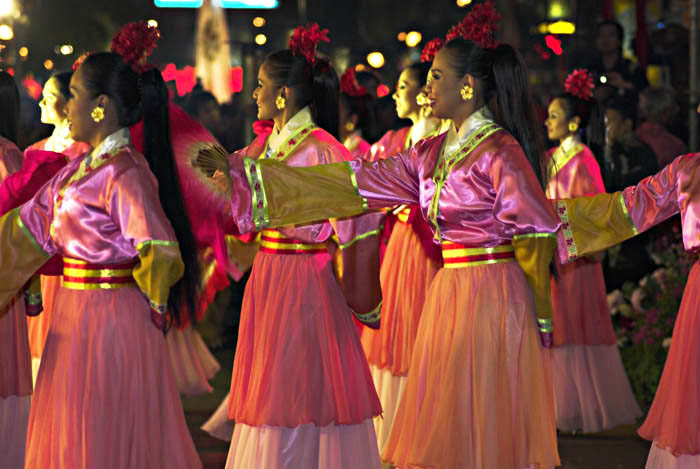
(105, 394)
(479, 392)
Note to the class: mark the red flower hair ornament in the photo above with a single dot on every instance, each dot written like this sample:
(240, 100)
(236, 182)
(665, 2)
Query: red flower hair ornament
(431, 49)
(80, 60)
(349, 84)
(579, 83)
(135, 42)
(478, 26)
(305, 39)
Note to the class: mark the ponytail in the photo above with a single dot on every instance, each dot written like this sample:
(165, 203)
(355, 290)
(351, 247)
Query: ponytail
(161, 159)
(514, 105)
(145, 96)
(325, 93)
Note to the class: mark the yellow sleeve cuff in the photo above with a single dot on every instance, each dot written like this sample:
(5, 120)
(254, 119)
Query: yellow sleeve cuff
(160, 268)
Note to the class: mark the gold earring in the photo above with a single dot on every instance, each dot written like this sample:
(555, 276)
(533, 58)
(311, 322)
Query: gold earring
(280, 102)
(467, 92)
(98, 113)
(573, 126)
(349, 126)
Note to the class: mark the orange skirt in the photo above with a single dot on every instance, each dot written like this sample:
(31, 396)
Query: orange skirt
(672, 422)
(299, 359)
(479, 389)
(406, 275)
(105, 395)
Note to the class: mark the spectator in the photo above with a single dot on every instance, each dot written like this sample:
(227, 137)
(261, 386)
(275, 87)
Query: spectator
(658, 108)
(627, 159)
(204, 107)
(613, 73)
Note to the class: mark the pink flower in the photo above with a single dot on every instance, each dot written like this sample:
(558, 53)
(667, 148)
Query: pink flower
(637, 298)
(615, 299)
(666, 342)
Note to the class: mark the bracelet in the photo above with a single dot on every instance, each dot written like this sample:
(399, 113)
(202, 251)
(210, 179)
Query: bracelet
(544, 324)
(368, 318)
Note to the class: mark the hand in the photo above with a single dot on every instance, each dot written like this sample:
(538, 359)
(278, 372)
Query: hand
(222, 181)
(547, 339)
(158, 319)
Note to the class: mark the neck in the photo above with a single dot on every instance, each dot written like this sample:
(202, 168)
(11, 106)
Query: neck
(465, 111)
(415, 117)
(283, 117)
(562, 140)
(102, 133)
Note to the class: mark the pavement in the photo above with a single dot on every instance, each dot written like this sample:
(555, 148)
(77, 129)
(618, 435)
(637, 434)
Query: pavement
(618, 448)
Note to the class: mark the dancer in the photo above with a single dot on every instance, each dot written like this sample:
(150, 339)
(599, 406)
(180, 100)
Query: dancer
(479, 391)
(301, 392)
(105, 395)
(591, 224)
(410, 262)
(15, 363)
(357, 121)
(53, 111)
(591, 388)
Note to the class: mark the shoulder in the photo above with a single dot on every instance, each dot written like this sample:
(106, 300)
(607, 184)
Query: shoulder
(255, 148)
(129, 161)
(327, 148)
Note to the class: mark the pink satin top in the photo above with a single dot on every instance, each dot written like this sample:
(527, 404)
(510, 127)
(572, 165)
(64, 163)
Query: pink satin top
(104, 215)
(390, 144)
(487, 199)
(676, 188)
(572, 172)
(319, 147)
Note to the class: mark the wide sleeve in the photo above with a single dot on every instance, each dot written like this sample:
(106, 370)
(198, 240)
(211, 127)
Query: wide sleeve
(38, 168)
(268, 194)
(134, 205)
(521, 204)
(21, 255)
(592, 224)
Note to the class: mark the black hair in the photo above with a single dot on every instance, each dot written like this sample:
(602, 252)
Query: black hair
(316, 84)
(363, 107)
(63, 82)
(9, 103)
(198, 99)
(618, 29)
(626, 106)
(501, 74)
(419, 72)
(592, 125)
(145, 96)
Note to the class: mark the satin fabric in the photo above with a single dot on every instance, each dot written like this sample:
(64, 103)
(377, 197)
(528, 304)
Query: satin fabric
(356, 145)
(390, 144)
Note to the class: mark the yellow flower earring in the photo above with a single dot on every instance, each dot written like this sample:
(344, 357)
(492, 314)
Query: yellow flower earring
(98, 113)
(467, 92)
(573, 126)
(280, 102)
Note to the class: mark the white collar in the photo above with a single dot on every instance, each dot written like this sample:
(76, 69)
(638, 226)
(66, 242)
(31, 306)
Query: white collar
(299, 120)
(568, 143)
(455, 139)
(116, 140)
(423, 127)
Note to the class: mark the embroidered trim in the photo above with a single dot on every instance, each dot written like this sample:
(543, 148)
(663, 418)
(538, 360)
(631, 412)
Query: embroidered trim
(560, 159)
(544, 324)
(562, 210)
(158, 307)
(157, 242)
(356, 186)
(371, 317)
(33, 299)
(26, 231)
(535, 235)
(274, 242)
(359, 237)
(81, 275)
(627, 214)
(457, 256)
(447, 163)
(289, 145)
(253, 174)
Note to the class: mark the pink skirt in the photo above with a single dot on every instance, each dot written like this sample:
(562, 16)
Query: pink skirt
(299, 359)
(673, 419)
(664, 459)
(218, 425)
(15, 361)
(580, 313)
(192, 362)
(406, 275)
(591, 388)
(14, 418)
(390, 389)
(306, 446)
(479, 390)
(105, 395)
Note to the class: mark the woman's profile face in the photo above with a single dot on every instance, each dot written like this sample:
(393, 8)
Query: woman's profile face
(443, 87)
(79, 109)
(407, 90)
(265, 95)
(52, 104)
(557, 124)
